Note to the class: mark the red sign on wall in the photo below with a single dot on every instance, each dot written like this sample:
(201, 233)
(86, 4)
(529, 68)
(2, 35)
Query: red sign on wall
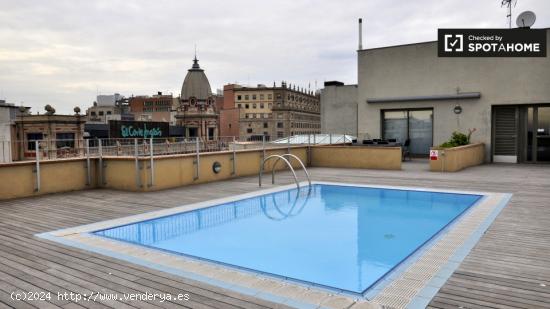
(434, 155)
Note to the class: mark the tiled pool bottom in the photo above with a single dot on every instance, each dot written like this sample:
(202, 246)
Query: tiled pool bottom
(413, 283)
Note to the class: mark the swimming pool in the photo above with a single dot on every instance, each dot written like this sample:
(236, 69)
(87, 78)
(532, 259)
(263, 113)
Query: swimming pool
(339, 237)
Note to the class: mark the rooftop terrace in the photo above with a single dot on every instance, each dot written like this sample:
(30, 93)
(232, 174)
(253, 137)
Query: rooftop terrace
(508, 268)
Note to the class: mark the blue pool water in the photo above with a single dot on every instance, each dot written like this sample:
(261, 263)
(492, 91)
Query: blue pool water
(340, 237)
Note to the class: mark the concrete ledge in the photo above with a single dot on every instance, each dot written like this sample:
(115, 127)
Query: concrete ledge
(457, 158)
(383, 158)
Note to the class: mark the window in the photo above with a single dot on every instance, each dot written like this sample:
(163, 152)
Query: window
(266, 125)
(193, 132)
(280, 134)
(262, 105)
(269, 96)
(280, 116)
(247, 106)
(270, 105)
(246, 97)
(92, 113)
(64, 140)
(211, 134)
(108, 112)
(280, 125)
(261, 96)
(412, 125)
(254, 105)
(253, 97)
(239, 98)
(253, 115)
(239, 105)
(278, 96)
(230, 126)
(100, 113)
(246, 116)
(249, 130)
(31, 138)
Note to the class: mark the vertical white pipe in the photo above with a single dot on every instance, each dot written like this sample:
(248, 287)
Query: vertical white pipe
(152, 169)
(37, 154)
(88, 171)
(136, 158)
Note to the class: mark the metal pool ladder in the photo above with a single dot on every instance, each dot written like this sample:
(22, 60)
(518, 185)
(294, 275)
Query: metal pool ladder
(282, 157)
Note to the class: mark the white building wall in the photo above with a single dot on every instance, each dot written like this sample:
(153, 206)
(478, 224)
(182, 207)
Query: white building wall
(416, 70)
(6, 120)
(339, 109)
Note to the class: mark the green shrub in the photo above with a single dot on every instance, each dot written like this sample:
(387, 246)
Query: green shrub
(457, 139)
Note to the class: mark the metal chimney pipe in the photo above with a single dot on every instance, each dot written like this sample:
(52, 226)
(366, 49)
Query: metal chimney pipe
(360, 33)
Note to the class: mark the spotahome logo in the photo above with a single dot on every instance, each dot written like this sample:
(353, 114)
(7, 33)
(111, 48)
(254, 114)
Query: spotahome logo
(491, 43)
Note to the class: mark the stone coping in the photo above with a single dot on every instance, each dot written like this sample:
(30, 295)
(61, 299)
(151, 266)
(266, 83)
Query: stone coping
(411, 284)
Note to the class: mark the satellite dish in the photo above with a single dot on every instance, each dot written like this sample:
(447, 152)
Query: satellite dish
(526, 19)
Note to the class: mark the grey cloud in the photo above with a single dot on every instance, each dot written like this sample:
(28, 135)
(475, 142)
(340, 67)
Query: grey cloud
(59, 52)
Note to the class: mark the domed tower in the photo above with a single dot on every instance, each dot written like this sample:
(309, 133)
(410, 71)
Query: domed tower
(197, 111)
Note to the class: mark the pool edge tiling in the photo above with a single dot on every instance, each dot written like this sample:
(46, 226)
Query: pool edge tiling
(411, 285)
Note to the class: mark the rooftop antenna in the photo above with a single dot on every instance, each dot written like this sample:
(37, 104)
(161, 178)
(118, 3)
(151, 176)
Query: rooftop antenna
(509, 4)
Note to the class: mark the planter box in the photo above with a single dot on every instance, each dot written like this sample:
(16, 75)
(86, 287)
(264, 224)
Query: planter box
(456, 158)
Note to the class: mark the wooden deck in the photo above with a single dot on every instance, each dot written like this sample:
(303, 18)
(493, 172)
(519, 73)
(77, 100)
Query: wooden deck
(509, 267)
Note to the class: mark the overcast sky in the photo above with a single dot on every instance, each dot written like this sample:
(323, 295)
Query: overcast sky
(62, 52)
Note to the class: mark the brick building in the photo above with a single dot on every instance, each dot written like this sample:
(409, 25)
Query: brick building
(273, 112)
(158, 108)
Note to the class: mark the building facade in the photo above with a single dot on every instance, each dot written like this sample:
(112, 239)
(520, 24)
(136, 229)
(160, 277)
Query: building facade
(197, 105)
(108, 107)
(158, 108)
(269, 112)
(59, 136)
(339, 108)
(408, 92)
(8, 114)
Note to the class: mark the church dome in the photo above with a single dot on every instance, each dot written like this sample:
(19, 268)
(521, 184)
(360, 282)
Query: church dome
(196, 84)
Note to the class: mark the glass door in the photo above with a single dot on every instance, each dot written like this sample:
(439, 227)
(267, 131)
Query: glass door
(536, 147)
(414, 125)
(395, 126)
(542, 145)
(420, 131)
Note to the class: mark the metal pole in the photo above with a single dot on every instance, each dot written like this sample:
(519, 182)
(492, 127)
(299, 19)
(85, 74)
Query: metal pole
(37, 154)
(330, 138)
(136, 159)
(100, 148)
(88, 171)
(197, 160)
(152, 165)
(263, 147)
(288, 144)
(234, 158)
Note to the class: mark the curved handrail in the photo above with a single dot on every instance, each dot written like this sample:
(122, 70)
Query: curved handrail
(290, 213)
(287, 163)
(292, 156)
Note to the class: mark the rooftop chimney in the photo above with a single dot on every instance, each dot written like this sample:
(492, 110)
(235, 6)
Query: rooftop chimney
(360, 33)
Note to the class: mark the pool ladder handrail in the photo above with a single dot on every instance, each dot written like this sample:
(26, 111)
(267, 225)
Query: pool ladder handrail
(279, 157)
